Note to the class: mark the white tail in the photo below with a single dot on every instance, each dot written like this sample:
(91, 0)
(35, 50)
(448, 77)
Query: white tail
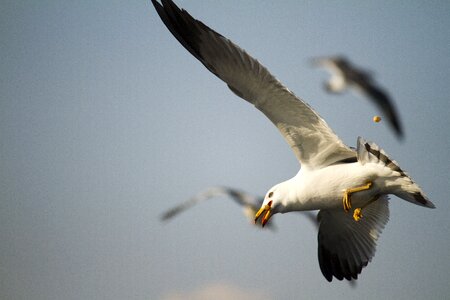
(408, 189)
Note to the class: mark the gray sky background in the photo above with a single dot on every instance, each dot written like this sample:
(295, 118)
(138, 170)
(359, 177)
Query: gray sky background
(106, 121)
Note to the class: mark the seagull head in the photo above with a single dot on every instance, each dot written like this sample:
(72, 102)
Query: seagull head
(270, 206)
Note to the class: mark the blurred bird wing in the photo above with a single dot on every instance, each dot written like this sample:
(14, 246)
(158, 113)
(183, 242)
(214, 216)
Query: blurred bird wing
(381, 99)
(240, 197)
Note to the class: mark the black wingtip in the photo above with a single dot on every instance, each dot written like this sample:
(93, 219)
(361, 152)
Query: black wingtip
(156, 4)
(400, 134)
(164, 217)
(395, 124)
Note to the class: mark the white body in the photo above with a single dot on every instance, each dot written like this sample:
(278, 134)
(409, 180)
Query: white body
(309, 191)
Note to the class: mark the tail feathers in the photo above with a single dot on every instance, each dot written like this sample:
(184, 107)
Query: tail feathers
(371, 152)
(411, 192)
(407, 189)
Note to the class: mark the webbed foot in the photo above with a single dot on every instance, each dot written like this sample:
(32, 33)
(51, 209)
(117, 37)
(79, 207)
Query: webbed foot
(346, 201)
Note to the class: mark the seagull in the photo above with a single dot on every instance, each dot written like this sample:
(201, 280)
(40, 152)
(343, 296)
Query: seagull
(250, 203)
(345, 75)
(349, 187)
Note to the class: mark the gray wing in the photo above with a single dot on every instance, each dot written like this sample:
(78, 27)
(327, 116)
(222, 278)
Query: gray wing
(381, 99)
(346, 246)
(363, 82)
(240, 197)
(250, 203)
(314, 143)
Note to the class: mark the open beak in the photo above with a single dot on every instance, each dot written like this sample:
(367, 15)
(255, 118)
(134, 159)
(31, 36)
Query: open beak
(266, 209)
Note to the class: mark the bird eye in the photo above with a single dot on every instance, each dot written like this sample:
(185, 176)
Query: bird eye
(270, 194)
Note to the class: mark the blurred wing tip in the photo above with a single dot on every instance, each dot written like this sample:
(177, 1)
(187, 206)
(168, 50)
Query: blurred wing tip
(165, 217)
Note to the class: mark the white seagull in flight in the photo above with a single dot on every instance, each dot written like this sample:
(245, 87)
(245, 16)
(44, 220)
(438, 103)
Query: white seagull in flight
(250, 203)
(349, 187)
(345, 75)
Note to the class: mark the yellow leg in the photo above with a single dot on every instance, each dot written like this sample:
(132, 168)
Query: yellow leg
(346, 202)
(357, 214)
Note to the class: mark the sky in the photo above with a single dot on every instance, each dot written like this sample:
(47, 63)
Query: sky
(106, 121)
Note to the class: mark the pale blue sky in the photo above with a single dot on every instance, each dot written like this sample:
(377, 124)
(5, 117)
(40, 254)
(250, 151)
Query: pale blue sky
(106, 121)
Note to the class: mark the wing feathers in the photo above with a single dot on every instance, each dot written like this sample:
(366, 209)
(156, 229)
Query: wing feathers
(240, 197)
(345, 74)
(313, 142)
(345, 247)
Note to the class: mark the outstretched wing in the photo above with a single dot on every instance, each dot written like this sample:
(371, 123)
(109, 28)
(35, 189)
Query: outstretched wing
(346, 246)
(362, 81)
(315, 145)
(240, 197)
(381, 99)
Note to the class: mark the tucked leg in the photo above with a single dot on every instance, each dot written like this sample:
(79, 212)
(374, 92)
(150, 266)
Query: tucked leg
(357, 213)
(346, 202)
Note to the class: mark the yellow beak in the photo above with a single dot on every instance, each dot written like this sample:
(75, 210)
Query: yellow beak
(264, 209)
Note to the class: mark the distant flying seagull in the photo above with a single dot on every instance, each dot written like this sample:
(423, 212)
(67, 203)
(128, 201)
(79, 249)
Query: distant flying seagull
(345, 75)
(250, 203)
(333, 178)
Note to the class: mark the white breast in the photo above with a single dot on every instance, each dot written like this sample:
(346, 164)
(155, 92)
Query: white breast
(324, 188)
